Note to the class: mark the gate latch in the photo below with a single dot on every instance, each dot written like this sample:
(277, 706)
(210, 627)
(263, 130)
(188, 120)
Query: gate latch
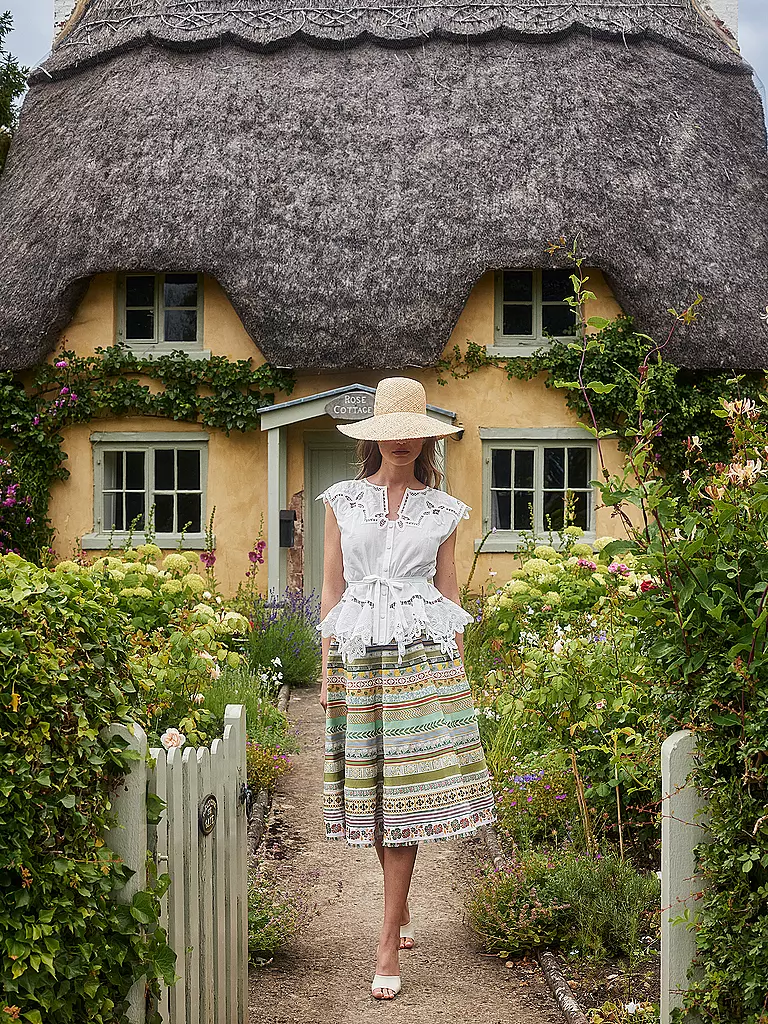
(246, 797)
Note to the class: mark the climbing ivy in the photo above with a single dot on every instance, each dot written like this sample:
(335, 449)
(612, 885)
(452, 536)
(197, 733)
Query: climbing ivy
(683, 399)
(215, 392)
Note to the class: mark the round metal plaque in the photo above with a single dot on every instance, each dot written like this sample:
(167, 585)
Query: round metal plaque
(351, 405)
(207, 814)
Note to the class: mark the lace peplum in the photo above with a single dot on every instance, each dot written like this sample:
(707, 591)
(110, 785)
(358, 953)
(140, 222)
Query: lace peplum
(388, 565)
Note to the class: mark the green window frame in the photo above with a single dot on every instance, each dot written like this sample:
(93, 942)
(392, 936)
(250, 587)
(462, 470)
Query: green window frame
(161, 313)
(133, 471)
(530, 308)
(526, 476)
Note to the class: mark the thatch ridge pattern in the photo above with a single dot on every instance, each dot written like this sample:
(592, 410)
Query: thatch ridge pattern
(108, 27)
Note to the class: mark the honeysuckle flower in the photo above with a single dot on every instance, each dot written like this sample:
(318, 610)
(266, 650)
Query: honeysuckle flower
(173, 738)
(686, 474)
(747, 473)
(742, 407)
(600, 705)
(198, 698)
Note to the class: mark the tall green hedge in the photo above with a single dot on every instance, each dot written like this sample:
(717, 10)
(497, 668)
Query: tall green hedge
(69, 951)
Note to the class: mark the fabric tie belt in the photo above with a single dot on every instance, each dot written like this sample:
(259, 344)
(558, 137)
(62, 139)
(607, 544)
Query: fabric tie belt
(396, 585)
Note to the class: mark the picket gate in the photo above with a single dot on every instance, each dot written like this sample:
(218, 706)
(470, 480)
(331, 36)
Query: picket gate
(201, 842)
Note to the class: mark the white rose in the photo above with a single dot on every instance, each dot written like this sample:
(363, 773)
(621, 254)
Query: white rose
(173, 738)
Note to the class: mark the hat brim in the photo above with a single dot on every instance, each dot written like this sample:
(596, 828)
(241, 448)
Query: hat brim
(397, 426)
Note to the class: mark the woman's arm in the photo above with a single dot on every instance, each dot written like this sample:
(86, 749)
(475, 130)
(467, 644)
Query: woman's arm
(333, 585)
(445, 578)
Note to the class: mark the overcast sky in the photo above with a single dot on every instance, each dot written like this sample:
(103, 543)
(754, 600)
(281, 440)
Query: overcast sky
(33, 23)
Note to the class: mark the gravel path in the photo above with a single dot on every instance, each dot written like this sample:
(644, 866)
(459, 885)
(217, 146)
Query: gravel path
(325, 975)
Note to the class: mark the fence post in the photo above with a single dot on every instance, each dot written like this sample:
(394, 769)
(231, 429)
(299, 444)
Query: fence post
(235, 721)
(128, 839)
(683, 827)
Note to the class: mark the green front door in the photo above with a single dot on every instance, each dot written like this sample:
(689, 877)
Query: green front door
(327, 459)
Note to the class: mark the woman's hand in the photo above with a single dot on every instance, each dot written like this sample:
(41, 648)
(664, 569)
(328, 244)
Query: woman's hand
(324, 694)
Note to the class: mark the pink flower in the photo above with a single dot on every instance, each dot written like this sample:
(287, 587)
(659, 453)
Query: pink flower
(61, 363)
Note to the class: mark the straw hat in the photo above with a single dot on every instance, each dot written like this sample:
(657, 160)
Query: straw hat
(399, 412)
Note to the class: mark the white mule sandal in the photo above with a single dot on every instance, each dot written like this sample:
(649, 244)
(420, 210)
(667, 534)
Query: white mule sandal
(408, 931)
(382, 981)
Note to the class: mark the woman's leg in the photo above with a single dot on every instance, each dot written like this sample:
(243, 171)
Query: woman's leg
(398, 862)
(405, 943)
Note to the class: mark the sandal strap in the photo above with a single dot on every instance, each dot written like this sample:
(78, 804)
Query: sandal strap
(390, 981)
(407, 931)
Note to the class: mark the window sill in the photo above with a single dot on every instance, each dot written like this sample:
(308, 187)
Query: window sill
(522, 349)
(166, 350)
(509, 542)
(165, 541)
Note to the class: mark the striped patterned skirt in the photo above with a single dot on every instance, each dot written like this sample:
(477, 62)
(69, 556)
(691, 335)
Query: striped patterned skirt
(403, 760)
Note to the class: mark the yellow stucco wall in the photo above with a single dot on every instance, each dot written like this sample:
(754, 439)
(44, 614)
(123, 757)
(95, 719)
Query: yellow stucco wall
(237, 465)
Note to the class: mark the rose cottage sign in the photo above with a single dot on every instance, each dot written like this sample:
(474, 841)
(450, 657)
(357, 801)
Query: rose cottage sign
(351, 405)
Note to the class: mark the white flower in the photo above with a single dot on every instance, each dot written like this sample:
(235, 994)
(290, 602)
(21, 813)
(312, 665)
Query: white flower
(557, 646)
(199, 698)
(207, 595)
(631, 1007)
(218, 600)
(276, 661)
(492, 572)
(173, 738)
(208, 655)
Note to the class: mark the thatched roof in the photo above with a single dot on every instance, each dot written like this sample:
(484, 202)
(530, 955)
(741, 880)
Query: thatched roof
(348, 173)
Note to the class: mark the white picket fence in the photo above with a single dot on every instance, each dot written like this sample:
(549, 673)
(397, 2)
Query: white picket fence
(205, 911)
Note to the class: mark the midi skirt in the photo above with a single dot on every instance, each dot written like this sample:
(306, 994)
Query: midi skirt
(403, 758)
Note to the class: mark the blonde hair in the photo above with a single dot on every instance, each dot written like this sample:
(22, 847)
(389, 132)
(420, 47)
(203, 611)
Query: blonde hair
(425, 469)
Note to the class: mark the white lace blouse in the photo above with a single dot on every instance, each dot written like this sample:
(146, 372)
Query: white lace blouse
(388, 565)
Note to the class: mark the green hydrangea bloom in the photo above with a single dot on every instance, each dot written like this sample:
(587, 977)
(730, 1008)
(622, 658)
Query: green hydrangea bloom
(545, 551)
(518, 587)
(176, 564)
(203, 609)
(536, 566)
(582, 550)
(193, 582)
(149, 551)
(191, 556)
(552, 597)
(130, 555)
(116, 574)
(67, 566)
(171, 587)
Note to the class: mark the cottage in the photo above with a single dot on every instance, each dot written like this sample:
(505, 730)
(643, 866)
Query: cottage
(350, 191)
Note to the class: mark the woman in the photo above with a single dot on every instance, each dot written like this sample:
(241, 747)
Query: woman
(403, 760)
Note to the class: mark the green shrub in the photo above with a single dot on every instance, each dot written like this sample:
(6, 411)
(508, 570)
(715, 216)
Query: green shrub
(71, 953)
(274, 917)
(599, 906)
(256, 690)
(612, 904)
(265, 764)
(536, 803)
(285, 628)
(514, 910)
